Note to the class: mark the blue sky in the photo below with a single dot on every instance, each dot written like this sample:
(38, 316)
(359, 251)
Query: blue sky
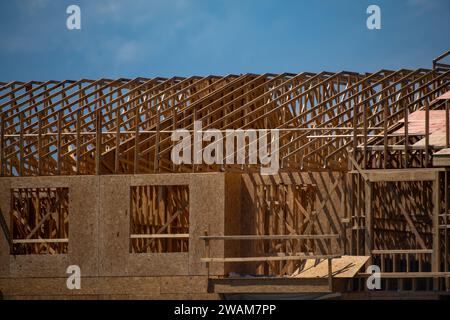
(183, 37)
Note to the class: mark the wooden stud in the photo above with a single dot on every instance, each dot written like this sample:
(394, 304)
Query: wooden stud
(427, 133)
(435, 264)
(2, 145)
(117, 145)
(98, 140)
(136, 140)
(156, 158)
(78, 142)
(21, 146)
(59, 142)
(368, 190)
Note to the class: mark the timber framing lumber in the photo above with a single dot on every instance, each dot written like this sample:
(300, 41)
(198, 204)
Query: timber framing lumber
(419, 174)
(88, 175)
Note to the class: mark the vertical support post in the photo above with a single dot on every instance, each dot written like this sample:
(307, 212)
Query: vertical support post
(193, 125)
(2, 145)
(427, 132)
(435, 258)
(357, 205)
(345, 224)
(447, 282)
(98, 138)
(352, 213)
(385, 138)
(39, 143)
(136, 141)
(116, 155)
(447, 131)
(58, 142)
(355, 129)
(174, 127)
(368, 241)
(406, 137)
(365, 164)
(21, 151)
(156, 159)
(78, 142)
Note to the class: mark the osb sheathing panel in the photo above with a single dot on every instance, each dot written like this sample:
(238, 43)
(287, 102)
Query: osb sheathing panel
(99, 227)
(233, 222)
(191, 284)
(83, 229)
(105, 287)
(269, 285)
(206, 207)
(115, 258)
(162, 296)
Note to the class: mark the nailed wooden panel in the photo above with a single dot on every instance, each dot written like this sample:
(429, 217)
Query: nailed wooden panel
(274, 285)
(343, 267)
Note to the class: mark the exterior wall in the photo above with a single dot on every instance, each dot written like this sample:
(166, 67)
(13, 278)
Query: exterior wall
(99, 241)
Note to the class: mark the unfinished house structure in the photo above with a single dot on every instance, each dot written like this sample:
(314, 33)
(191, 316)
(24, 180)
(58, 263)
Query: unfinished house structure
(88, 180)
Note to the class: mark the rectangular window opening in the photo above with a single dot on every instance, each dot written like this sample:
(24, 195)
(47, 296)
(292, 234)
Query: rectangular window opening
(39, 220)
(159, 219)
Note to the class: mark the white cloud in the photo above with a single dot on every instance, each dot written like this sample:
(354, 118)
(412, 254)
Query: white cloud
(127, 52)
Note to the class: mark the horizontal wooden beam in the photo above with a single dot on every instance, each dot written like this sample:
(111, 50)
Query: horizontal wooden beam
(271, 237)
(269, 285)
(397, 175)
(24, 241)
(270, 258)
(399, 275)
(412, 251)
(159, 236)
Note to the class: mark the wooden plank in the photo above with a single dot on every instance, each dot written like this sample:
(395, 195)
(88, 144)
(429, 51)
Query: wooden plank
(271, 237)
(270, 258)
(58, 142)
(136, 140)
(406, 251)
(39, 142)
(419, 174)
(78, 142)
(342, 267)
(435, 256)
(21, 146)
(98, 139)
(117, 145)
(2, 144)
(398, 275)
(40, 240)
(447, 126)
(368, 210)
(269, 285)
(157, 138)
(159, 236)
